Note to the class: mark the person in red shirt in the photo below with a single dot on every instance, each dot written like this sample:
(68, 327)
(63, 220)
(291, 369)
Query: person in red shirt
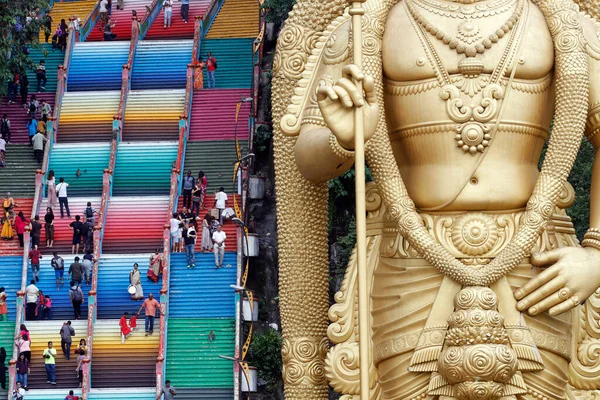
(150, 305)
(71, 396)
(35, 256)
(211, 67)
(125, 330)
(20, 224)
(133, 322)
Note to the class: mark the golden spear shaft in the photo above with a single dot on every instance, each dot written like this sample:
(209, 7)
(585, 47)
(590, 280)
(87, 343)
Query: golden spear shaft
(364, 342)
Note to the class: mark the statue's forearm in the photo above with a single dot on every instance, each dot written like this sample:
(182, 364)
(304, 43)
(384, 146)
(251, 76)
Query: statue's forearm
(316, 159)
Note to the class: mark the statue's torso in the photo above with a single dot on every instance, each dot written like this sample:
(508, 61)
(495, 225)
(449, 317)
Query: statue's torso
(423, 134)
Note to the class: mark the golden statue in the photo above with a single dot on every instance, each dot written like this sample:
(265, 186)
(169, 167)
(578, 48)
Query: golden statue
(477, 283)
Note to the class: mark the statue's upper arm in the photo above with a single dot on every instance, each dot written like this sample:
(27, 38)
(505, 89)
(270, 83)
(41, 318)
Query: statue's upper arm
(591, 30)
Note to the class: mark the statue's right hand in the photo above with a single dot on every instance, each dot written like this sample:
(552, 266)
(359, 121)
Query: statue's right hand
(338, 103)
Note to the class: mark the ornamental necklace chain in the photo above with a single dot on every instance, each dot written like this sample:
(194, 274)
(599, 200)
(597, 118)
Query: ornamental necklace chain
(473, 134)
(466, 11)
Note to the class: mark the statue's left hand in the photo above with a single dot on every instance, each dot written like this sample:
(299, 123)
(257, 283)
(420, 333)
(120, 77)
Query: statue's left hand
(572, 275)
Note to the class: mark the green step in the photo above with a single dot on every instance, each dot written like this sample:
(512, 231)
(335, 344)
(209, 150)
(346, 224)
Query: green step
(52, 60)
(216, 158)
(7, 334)
(193, 361)
(18, 174)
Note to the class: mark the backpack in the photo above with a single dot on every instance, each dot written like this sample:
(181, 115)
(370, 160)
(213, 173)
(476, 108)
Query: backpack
(89, 213)
(77, 295)
(58, 263)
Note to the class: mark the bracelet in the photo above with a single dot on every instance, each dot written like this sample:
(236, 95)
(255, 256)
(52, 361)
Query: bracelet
(591, 238)
(338, 150)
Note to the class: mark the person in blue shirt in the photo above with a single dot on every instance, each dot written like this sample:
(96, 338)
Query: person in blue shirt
(32, 129)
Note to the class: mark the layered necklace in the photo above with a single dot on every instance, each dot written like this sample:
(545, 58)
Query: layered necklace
(473, 131)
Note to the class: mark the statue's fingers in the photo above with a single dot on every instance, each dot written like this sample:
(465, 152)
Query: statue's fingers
(369, 88)
(555, 298)
(326, 93)
(351, 71)
(536, 282)
(540, 294)
(344, 96)
(565, 306)
(547, 257)
(352, 90)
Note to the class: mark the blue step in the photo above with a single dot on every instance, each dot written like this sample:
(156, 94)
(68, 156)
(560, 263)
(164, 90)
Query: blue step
(97, 66)
(10, 278)
(160, 64)
(113, 280)
(209, 286)
(61, 305)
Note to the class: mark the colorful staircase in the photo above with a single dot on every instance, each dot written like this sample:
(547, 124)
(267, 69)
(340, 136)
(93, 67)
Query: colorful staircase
(236, 19)
(10, 279)
(18, 174)
(123, 18)
(63, 235)
(153, 115)
(89, 159)
(134, 225)
(213, 115)
(41, 333)
(87, 116)
(18, 115)
(216, 158)
(144, 169)
(113, 279)
(97, 66)
(161, 64)
(52, 59)
(178, 29)
(11, 247)
(62, 309)
(65, 10)
(234, 61)
(117, 364)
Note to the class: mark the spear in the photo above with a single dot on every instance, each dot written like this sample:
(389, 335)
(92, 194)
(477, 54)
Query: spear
(364, 343)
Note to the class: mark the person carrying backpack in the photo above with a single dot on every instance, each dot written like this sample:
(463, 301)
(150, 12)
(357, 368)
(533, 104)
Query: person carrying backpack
(76, 297)
(89, 212)
(40, 75)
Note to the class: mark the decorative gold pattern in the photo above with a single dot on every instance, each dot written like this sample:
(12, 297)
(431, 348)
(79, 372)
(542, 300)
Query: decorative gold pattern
(474, 11)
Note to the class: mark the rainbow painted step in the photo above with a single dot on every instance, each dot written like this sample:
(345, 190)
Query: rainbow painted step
(65, 10)
(236, 19)
(213, 115)
(87, 116)
(90, 159)
(234, 62)
(123, 18)
(116, 364)
(52, 59)
(11, 247)
(161, 63)
(178, 29)
(193, 361)
(213, 296)
(153, 115)
(113, 280)
(97, 66)
(18, 174)
(10, 279)
(135, 224)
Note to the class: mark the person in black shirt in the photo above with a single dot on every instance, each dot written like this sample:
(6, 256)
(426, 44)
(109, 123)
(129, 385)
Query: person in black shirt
(77, 227)
(88, 235)
(49, 219)
(36, 232)
(108, 35)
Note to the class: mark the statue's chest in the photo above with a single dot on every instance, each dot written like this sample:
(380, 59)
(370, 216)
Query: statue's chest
(415, 43)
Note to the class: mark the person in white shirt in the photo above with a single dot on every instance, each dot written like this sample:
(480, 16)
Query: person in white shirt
(103, 14)
(31, 296)
(61, 190)
(218, 238)
(18, 393)
(221, 202)
(168, 4)
(175, 233)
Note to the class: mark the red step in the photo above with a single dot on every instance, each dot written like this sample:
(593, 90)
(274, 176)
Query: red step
(178, 29)
(11, 247)
(123, 17)
(213, 114)
(18, 116)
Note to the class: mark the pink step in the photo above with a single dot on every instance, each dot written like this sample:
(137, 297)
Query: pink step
(18, 116)
(213, 114)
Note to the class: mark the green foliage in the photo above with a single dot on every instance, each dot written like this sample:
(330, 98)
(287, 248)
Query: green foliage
(263, 137)
(581, 180)
(15, 34)
(265, 355)
(277, 10)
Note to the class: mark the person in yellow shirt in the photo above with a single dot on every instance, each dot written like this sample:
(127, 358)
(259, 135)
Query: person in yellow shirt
(49, 358)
